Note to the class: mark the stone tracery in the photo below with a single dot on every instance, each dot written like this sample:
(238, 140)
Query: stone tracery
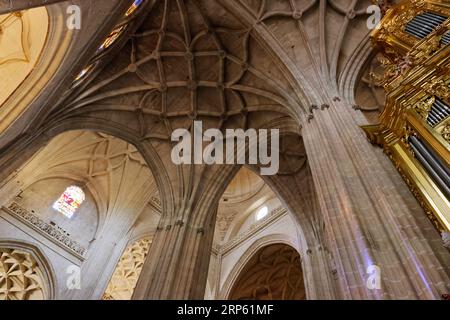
(125, 277)
(20, 276)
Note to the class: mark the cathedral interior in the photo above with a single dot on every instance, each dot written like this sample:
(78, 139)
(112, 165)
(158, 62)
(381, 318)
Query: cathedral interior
(93, 207)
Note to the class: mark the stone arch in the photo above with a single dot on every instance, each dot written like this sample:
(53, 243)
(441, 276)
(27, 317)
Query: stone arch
(299, 214)
(222, 175)
(124, 279)
(301, 202)
(38, 265)
(148, 152)
(28, 146)
(128, 199)
(97, 196)
(140, 236)
(255, 248)
(90, 223)
(58, 41)
(237, 222)
(352, 70)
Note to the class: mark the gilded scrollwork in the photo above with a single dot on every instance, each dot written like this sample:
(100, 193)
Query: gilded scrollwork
(409, 132)
(396, 24)
(446, 132)
(430, 47)
(392, 69)
(418, 195)
(384, 5)
(423, 107)
(438, 87)
(417, 91)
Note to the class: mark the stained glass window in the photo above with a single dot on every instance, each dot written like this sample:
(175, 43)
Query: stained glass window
(133, 7)
(262, 213)
(112, 37)
(84, 72)
(69, 201)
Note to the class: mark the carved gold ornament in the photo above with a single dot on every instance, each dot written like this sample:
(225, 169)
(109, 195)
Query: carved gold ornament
(424, 107)
(396, 24)
(417, 97)
(432, 46)
(446, 132)
(384, 5)
(393, 69)
(438, 87)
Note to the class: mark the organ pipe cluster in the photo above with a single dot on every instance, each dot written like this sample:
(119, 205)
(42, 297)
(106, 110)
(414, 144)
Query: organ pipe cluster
(414, 128)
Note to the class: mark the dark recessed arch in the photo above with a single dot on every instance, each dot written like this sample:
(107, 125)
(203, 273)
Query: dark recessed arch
(274, 272)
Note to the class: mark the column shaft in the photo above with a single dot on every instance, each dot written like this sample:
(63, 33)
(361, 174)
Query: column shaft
(371, 217)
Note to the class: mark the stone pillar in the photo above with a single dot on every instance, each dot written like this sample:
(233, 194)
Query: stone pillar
(178, 261)
(371, 218)
(98, 268)
(297, 194)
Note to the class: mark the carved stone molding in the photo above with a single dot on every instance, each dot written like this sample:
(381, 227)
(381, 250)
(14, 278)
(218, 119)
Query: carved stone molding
(46, 229)
(255, 228)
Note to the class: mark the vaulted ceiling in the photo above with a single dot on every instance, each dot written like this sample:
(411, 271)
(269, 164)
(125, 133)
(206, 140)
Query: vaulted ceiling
(223, 62)
(53, 53)
(189, 60)
(230, 63)
(111, 169)
(22, 39)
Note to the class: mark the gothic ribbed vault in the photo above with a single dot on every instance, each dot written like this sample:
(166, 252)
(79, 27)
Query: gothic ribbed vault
(294, 65)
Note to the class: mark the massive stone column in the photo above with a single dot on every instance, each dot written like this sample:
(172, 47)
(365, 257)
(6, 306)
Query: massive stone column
(297, 193)
(177, 264)
(371, 218)
(178, 261)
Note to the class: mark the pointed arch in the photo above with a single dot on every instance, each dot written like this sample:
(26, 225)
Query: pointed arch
(36, 264)
(257, 246)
